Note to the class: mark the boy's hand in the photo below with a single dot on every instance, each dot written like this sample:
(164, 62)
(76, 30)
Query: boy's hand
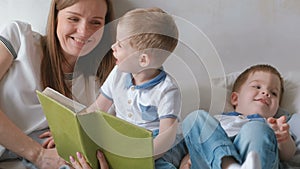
(280, 127)
(49, 142)
(185, 162)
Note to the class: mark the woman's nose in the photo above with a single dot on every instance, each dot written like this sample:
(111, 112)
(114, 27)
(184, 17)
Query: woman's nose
(84, 29)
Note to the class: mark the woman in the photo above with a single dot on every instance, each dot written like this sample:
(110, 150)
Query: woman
(30, 62)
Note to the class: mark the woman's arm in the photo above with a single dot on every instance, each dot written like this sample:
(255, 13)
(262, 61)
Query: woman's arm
(166, 137)
(12, 138)
(6, 60)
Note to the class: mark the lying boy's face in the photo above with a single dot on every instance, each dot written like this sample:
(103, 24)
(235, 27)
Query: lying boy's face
(260, 94)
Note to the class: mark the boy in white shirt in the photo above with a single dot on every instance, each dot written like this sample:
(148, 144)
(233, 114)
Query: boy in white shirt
(141, 91)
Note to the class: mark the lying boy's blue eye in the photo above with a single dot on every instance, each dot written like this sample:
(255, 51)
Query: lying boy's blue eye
(257, 87)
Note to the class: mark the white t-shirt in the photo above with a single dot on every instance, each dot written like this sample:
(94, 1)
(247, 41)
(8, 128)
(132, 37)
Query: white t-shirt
(143, 105)
(18, 87)
(18, 99)
(232, 122)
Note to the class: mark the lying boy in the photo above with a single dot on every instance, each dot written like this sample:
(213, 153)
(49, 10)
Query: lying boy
(250, 137)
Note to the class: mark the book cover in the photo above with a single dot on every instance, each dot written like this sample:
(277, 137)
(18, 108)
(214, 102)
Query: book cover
(124, 145)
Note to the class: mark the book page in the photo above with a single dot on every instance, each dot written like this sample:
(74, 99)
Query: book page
(69, 103)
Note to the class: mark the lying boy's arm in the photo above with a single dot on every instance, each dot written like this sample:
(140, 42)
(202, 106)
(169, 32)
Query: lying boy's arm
(166, 137)
(287, 149)
(286, 144)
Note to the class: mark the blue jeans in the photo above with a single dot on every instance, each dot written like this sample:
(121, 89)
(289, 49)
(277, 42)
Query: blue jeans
(172, 158)
(257, 136)
(208, 143)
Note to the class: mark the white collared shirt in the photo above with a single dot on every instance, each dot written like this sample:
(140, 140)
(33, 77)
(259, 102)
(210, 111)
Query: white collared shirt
(143, 105)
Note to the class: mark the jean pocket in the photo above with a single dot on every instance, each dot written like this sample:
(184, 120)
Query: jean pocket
(149, 113)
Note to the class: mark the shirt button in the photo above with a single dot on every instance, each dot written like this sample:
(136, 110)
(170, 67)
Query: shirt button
(132, 88)
(129, 101)
(129, 115)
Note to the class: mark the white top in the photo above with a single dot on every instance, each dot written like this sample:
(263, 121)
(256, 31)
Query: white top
(232, 122)
(143, 105)
(17, 88)
(18, 98)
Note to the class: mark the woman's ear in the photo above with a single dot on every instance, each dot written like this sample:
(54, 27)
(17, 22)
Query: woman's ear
(144, 60)
(234, 99)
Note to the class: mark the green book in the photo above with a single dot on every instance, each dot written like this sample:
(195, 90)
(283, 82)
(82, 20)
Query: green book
(125, 145)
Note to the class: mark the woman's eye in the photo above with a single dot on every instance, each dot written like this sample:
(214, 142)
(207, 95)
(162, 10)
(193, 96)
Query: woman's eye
(73, 19)
(96, 22)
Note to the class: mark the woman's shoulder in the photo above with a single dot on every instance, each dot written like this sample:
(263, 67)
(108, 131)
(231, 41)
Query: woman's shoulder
(16, 35)
(16, 27)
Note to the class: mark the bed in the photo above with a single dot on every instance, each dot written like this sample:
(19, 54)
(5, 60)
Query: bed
(218, 39)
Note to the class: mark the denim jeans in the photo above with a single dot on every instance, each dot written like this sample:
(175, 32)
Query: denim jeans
(208, 143)
(172, 158)
(257, 136)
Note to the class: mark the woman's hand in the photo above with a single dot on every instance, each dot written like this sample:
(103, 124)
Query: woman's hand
(82, 164)
(49, 159)
(49, 142)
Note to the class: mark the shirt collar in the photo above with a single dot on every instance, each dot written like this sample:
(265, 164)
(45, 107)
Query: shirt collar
(251, 116)
(157, 79)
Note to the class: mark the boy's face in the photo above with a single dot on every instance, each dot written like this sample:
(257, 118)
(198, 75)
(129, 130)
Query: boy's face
(127, 57)
(260, 94)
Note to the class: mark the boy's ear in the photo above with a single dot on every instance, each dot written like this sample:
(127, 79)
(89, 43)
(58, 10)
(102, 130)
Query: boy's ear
(144, 60)
(234, 99)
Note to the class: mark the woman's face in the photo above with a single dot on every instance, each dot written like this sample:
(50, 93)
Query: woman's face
(78, 27)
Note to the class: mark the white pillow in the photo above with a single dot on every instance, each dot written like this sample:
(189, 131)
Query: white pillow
(225, 84)
(291, 96)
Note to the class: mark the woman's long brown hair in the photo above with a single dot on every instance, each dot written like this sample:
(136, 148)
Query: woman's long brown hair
(52, 74)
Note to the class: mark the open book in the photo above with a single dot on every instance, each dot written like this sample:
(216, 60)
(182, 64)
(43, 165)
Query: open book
(125, 145)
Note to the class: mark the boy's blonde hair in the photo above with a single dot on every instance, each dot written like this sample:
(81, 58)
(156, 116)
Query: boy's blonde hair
(242, 78)
(150, 28)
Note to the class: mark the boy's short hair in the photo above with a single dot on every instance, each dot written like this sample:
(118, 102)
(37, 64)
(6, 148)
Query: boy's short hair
(242, 78)
(151, 28)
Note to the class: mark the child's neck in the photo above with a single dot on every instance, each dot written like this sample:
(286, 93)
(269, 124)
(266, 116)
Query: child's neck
(144, 76)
